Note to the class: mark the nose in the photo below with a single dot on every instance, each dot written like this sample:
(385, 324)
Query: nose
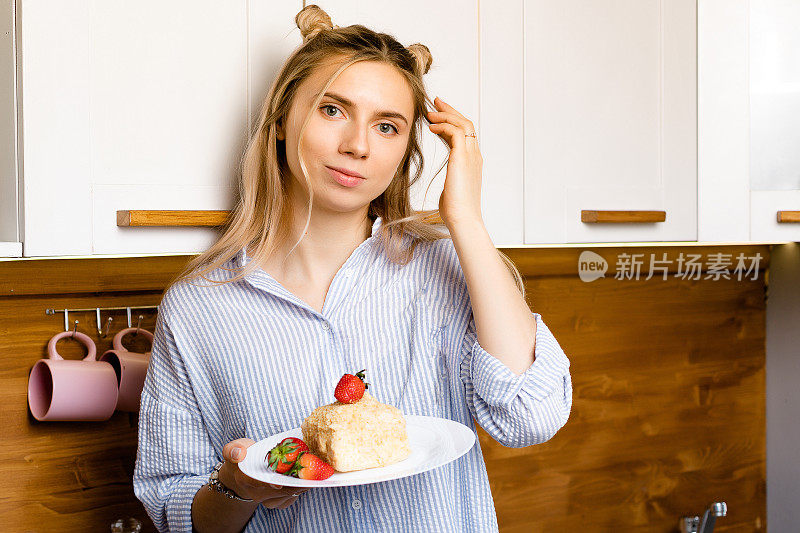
(355, 140)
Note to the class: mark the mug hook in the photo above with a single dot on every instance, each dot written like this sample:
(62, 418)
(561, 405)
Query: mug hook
(108, 328)
(99, 327)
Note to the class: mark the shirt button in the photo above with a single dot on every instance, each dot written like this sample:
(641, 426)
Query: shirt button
(325, 326)
(356, 503)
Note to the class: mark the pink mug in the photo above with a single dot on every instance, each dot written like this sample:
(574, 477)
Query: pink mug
(60, 389)
(130, 369)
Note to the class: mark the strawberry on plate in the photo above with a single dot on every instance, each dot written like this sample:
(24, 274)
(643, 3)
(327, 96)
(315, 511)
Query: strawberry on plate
(281, 458)
(309, 466)
(351, 387)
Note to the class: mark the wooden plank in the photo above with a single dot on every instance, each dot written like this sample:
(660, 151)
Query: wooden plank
(68, 476)
(596, 216)
(668, 403)
(153, 217)
(69, 276)
(788, 216)
(63, 276)
(668, 410)
(674, 258)
(143, 217)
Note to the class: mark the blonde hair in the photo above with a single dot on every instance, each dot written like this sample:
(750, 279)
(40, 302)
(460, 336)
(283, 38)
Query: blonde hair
(260, 218)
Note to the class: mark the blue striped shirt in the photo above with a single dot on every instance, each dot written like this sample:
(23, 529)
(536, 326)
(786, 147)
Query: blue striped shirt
(251, 359)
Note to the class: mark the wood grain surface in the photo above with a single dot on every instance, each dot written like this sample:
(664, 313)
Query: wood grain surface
(596, 216)
(788, 216)
(151, 217)
(668, 404)
(145, 217)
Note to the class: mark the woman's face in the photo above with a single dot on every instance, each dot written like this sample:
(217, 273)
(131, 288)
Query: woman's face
(361, 125)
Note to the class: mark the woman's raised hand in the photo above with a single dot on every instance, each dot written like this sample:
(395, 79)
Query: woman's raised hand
(271, 496)
(460, 201)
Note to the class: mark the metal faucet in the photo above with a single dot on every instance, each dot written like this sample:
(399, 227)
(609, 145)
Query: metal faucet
(694, 525)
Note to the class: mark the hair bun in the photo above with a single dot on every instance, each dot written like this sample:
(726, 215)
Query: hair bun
(311, 20)
(422, 56)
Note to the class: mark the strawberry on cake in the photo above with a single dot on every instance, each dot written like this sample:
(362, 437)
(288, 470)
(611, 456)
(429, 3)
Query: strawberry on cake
(357, 431)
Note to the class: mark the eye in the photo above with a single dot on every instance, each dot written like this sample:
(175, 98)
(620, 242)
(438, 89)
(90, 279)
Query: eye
(390, 125)
(329, 106)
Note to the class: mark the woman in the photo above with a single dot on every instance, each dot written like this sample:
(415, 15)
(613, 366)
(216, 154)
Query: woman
(321, 273)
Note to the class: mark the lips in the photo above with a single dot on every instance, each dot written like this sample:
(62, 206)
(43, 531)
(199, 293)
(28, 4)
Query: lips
(347, 171)
(343, 179)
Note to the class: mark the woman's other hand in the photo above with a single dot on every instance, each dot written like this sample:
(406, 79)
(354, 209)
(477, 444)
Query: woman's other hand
(269, 495)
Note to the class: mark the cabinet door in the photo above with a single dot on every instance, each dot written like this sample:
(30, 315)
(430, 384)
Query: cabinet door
(749, 102)
(449, 28)
(610, 118)
(55, 181)
(502, 124)
(167, 115)
(774, 70)
(142, 105)
(228, 54)
(723, 186)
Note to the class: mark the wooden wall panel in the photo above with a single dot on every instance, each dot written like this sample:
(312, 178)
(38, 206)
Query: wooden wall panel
(668, 412)
(63, 476)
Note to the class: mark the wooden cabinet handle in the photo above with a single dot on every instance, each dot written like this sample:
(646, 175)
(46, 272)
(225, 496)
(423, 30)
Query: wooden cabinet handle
(788, 216)
(171, 218)
(594, 216)
(192, 218)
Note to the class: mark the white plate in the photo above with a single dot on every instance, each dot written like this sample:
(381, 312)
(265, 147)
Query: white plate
(433, 441)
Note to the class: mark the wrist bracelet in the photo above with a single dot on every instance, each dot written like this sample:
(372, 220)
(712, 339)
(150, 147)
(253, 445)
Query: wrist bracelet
(214, 484)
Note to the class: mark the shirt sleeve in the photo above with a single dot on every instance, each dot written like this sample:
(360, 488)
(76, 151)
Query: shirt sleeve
(517, 410)
(175, 455)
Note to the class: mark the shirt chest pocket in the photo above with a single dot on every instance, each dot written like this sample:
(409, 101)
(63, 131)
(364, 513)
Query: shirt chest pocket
(399, 341)
(428, 370)
(429, 320)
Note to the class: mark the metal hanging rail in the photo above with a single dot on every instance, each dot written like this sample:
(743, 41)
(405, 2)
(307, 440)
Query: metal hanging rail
(98, 310)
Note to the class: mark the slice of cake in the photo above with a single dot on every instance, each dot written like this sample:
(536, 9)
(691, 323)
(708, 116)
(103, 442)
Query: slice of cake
(359, 435)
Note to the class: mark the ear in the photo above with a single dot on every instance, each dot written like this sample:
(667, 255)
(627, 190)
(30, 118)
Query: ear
(279, 131)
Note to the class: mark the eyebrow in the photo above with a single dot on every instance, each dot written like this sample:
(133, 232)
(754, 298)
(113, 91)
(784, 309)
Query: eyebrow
(345, 101)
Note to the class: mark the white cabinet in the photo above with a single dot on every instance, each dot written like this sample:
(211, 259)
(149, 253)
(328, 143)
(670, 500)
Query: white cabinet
(774, 118)
(143, 105)
(686, 107)
(610, 118)
(148, 106)
(749, 122)
(165, 104)
(596, 104)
